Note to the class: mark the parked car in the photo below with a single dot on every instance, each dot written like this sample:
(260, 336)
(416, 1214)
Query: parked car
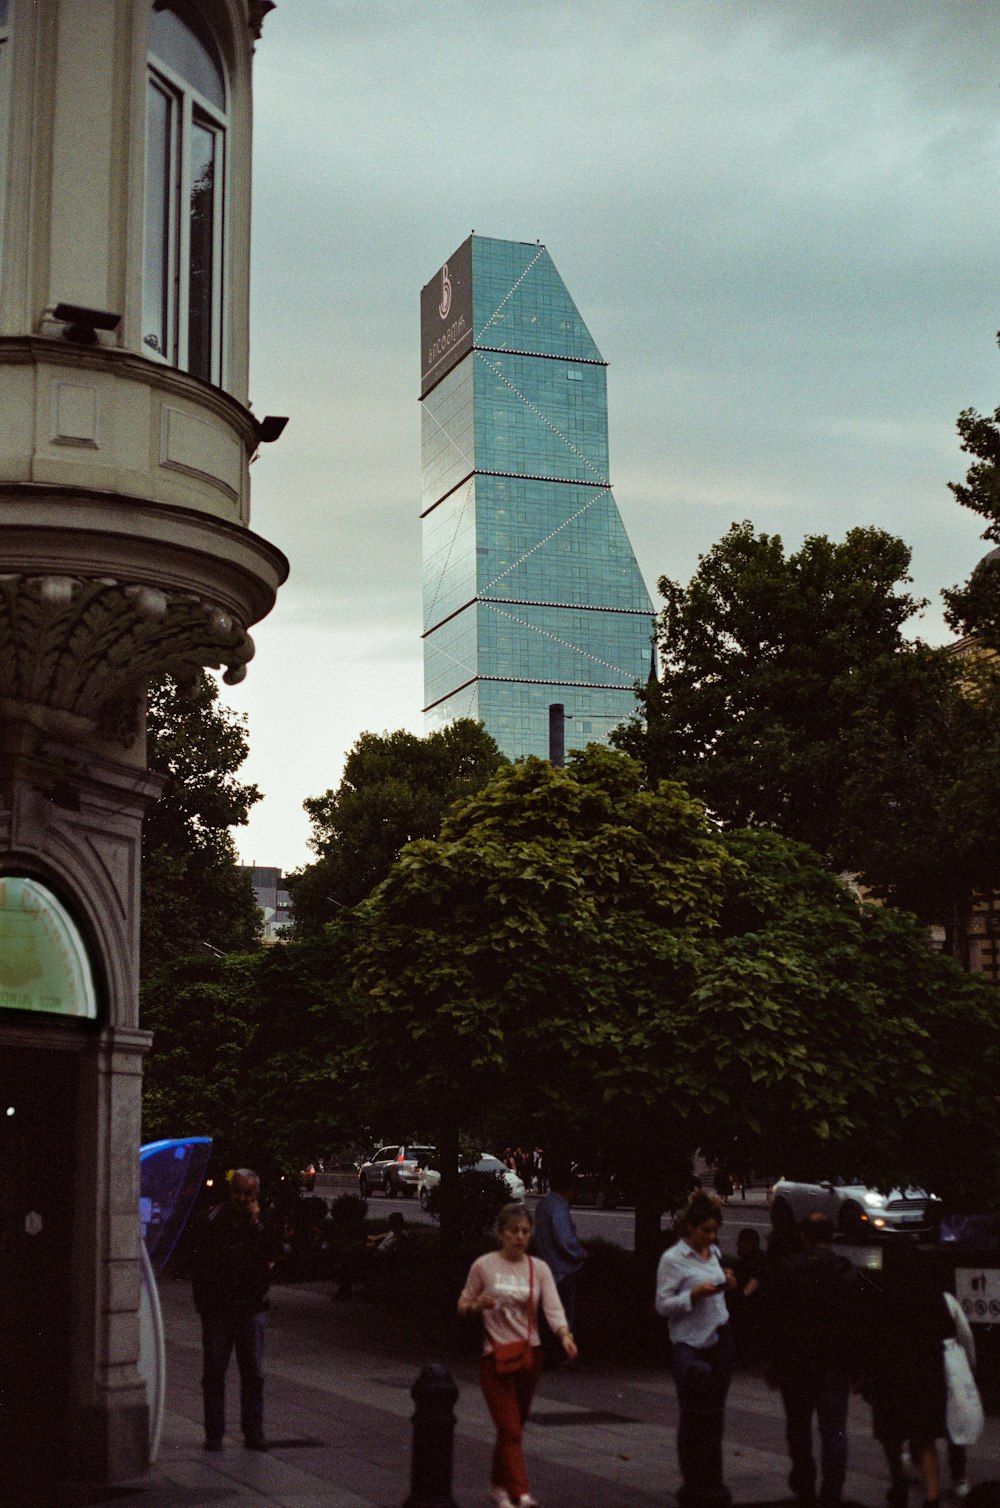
(858, 1212)
(430, 1177)
(597, 1186)
(394, 1169)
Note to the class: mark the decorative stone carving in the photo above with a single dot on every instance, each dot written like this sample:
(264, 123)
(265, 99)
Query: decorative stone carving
(85, 648)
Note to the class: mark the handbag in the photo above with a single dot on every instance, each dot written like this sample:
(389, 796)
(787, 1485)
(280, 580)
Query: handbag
(515, 1355)
(964, 1413)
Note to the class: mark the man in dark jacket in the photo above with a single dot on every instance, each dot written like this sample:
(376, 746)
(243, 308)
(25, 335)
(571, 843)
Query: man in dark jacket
(813, 1341)
(230, 1280)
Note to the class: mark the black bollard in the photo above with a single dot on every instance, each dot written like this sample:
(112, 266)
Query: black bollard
(434, 1396)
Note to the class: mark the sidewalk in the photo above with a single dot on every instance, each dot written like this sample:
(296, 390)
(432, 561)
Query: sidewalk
(338, 1411)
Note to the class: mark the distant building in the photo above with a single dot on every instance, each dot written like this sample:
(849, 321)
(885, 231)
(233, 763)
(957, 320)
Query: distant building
(532, 594)
(272, 898)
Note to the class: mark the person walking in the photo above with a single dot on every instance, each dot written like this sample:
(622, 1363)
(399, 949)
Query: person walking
(230, 1277)
(558, 1244)
(812, 1342)
(691, 1285)
(507, 1287)
(904, 1368)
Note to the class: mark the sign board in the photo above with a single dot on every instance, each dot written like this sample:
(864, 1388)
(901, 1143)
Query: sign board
(446, 329)
(44, 963)
(978, 1291)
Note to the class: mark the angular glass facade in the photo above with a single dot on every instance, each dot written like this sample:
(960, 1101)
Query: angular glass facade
(532, 594)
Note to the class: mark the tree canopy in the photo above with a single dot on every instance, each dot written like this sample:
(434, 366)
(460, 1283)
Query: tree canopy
(395, 787)
(598, 953)
(192, 889)
(761, 656)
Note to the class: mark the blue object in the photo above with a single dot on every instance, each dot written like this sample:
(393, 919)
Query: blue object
(171, 1174)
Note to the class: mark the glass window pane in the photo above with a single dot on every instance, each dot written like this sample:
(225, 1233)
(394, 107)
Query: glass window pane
(156, 268)
(192, 56)
(201, 290)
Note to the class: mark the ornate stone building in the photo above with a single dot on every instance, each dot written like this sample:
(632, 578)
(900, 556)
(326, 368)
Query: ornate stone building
(125, 552)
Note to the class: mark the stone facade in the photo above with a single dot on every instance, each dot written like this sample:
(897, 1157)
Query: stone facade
(125, 553)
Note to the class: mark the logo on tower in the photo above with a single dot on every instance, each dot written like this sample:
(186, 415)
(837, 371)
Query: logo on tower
(444, 307)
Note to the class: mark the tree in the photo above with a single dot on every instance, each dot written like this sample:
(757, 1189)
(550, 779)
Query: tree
(598, 960)
(975, 607)
(395, 787)
(920, 791)
(255, 1050)
(193, 892)
(762, 657)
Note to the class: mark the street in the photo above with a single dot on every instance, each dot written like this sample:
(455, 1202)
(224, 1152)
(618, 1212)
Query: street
(618, 1226)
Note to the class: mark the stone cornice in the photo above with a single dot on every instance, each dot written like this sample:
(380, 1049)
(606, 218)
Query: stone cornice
(101, 594)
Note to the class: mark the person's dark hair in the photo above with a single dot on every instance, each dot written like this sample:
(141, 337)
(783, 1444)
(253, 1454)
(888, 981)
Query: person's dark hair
(749, 1236)
(512, 1212)
(699, 1208)
(396, 1221)
(561, 1180)
(818, 1229)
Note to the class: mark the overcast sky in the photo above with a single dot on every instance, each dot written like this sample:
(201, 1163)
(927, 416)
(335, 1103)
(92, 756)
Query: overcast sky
(778, 220)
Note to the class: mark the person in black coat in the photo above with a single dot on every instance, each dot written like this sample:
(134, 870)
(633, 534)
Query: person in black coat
(230, 1277)
(905, 1381)
(813, 1338)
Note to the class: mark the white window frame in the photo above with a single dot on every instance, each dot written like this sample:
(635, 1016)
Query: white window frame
(190, 108)
(5, 44)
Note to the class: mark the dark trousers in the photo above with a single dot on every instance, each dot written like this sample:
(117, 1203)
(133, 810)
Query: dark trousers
(823, 1391)
(219, 1336)
(702, 1375)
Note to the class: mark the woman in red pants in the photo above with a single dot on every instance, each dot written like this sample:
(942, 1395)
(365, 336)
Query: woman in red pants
(506, 1288)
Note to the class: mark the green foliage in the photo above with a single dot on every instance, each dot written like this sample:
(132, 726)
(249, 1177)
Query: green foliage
(582, 950)
(790, 700)
(921, 785)
(539, 942)
(975, 607)
(761, 656)
(480, 1196)
(192, 889)
(256, 1050)
(395, 787)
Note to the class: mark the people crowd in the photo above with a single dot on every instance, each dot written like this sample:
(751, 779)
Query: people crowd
(798, 1313)
(817, 1328)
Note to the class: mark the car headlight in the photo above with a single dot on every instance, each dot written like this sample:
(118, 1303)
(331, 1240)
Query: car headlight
(875, 1201)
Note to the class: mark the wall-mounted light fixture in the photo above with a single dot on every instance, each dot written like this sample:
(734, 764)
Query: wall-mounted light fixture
(83, 324)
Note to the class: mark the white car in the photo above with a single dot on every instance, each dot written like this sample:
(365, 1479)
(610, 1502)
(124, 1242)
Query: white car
(431, 1177)
(857, 1211)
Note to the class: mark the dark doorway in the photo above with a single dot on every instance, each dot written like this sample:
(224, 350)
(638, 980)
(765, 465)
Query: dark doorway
(38, 1113)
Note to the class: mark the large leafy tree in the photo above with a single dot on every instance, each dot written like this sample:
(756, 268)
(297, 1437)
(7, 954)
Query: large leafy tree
(395, 787)
(594, 955)
(762, 657)
(193, 892)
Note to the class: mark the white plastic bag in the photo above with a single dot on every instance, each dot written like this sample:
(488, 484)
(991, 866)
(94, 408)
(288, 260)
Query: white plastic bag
(965, 1410)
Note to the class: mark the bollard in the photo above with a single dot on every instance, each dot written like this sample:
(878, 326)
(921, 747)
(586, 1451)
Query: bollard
(434, 1396)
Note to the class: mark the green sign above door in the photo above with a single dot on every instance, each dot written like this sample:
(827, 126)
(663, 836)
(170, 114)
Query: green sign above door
(44, 963)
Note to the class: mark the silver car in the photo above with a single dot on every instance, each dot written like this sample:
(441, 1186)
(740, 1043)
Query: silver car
(431, 1177)
(394, 1169)
(858, 1212)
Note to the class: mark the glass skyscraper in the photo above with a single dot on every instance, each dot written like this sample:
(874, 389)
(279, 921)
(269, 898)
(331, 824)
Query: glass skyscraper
(532, 594)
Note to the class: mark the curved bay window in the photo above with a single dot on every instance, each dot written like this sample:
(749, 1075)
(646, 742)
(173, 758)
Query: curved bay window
(185, 181)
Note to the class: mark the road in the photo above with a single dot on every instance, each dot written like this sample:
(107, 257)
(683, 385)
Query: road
(618, 1226)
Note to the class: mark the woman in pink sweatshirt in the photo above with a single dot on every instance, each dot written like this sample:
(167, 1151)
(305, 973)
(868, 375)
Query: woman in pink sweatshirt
(506, 1288)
